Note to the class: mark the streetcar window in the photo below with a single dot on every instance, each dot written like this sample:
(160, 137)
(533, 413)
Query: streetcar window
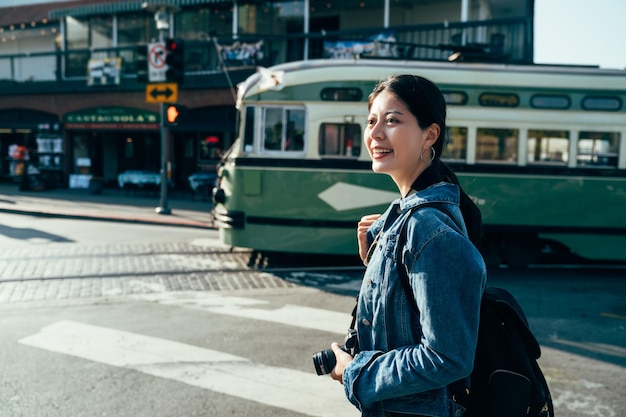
(455, 97)
(602, 103)
(248, 135)
(341, 94)
(548, 146)
(496, 145)
(550, 101)
(598, 149)
(498, 100)
(283, 129)
(340, 139)
(456, 148)
(273, 122)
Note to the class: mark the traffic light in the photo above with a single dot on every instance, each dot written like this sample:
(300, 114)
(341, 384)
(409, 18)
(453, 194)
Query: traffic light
(172, 114)
(175, 59)
(142, 64)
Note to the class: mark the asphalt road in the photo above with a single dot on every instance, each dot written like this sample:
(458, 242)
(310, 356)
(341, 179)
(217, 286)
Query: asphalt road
(103, 319)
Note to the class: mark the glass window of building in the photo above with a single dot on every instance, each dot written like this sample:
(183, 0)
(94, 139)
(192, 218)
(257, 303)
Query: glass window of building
(76, 39)
(599, 149)
(77, 33)
(199, 24)
(210, 146)
(456, 147)
(192, 25)
(196, 26)
(281, 17)
(273, 18)
(136, 28)
(496, 145)
(548, 146)
(101, 30)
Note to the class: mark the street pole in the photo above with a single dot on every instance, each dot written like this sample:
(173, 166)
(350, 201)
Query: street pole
(163, 208)
(162, 13)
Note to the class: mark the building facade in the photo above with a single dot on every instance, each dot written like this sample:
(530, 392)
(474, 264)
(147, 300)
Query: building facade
(72, 105)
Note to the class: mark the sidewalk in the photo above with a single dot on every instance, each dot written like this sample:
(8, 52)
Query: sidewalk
(112, 204)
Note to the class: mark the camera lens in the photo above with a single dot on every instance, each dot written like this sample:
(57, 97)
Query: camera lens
(324, 361)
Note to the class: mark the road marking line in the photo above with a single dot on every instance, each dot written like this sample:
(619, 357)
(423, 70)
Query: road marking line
(221, 372)
(613, 316)
(292, 315)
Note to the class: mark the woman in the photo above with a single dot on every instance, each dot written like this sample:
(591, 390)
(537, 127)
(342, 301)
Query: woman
(406, 357)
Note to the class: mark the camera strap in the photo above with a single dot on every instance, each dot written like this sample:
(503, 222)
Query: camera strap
(353, 323)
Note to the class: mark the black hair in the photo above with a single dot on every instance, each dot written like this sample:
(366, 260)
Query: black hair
(426, 102)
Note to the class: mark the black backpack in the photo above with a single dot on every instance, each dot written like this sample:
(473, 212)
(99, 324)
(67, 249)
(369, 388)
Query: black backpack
(506, 380)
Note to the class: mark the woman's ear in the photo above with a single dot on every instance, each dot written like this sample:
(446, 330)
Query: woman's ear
(433, 131)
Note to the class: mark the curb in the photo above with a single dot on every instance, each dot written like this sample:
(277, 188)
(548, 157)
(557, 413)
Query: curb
(112, 218)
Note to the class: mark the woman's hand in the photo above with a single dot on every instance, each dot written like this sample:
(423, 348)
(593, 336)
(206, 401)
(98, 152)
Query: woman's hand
(361, 233)
(343, 360)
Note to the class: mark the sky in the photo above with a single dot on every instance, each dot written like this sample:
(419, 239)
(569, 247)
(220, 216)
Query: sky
(588, 32)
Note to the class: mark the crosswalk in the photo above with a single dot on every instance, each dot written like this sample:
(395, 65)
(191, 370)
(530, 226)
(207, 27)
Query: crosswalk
(221, 372)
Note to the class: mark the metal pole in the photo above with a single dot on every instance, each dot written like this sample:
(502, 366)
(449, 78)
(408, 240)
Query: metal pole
(163, 18)
(163, 208)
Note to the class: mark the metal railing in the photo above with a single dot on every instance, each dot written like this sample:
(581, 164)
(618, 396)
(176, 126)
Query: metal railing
(504, 40)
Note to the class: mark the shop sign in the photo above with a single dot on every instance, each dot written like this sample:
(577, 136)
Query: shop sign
(112, 118)
(104, 71)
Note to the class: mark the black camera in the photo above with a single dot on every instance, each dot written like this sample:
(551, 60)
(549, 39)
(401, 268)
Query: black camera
(324, 361)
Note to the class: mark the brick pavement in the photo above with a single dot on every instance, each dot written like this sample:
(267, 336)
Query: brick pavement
(76, 272)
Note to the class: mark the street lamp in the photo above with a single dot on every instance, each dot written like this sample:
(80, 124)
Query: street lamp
(162, 12)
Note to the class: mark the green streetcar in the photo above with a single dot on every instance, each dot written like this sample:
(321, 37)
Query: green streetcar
(542, 151)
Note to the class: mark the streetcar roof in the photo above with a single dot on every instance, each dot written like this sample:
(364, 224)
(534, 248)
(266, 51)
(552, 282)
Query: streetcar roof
(486, 74)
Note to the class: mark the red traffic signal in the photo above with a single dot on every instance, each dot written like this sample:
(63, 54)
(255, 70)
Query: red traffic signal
(175, 59)
(172, 114)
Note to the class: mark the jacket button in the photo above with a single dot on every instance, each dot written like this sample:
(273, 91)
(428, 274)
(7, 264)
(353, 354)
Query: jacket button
(365, 322)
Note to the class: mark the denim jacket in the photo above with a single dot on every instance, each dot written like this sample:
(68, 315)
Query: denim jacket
(406, 359)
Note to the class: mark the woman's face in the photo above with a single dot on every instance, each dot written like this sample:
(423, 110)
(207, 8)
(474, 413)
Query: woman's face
(395, 141)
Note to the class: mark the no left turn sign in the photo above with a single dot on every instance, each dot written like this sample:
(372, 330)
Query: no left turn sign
(156, 62)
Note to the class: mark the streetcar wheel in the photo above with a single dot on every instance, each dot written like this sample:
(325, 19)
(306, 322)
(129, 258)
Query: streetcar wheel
(521, 250)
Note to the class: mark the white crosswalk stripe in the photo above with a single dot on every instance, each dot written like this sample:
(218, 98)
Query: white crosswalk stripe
(302, 392)
(292, 315)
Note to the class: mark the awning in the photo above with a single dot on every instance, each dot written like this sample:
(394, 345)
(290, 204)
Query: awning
(124, 7)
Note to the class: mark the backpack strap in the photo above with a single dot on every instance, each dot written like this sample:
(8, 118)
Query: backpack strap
(402, 272)
(458, 391)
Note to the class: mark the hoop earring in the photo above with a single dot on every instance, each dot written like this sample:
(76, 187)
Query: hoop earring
(432, 155)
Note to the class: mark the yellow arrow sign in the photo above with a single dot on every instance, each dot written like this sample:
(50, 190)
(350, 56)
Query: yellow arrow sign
(162, 93)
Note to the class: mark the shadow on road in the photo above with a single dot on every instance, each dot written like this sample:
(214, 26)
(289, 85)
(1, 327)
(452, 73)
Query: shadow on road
(29, 234)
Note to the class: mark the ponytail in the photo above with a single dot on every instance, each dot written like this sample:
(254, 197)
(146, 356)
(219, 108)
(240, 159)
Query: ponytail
(471, 212)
